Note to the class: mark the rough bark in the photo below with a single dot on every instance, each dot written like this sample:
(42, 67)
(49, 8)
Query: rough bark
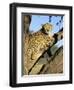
(55, 64)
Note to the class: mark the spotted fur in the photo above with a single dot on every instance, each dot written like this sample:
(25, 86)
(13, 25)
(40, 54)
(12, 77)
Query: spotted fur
(37, 43)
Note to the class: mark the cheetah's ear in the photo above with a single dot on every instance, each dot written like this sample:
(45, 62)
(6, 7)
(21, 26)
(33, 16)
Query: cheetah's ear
(42, 25)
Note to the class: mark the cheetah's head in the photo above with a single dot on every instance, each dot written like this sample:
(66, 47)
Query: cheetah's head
(47, 28)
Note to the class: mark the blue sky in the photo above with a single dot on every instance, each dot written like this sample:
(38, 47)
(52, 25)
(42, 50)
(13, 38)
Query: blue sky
(38, 20)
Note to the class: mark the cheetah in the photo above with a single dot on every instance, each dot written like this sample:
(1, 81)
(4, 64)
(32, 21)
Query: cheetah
(38, 42)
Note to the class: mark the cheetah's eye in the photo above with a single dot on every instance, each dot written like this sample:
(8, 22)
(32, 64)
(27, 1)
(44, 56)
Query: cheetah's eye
(47, 30)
